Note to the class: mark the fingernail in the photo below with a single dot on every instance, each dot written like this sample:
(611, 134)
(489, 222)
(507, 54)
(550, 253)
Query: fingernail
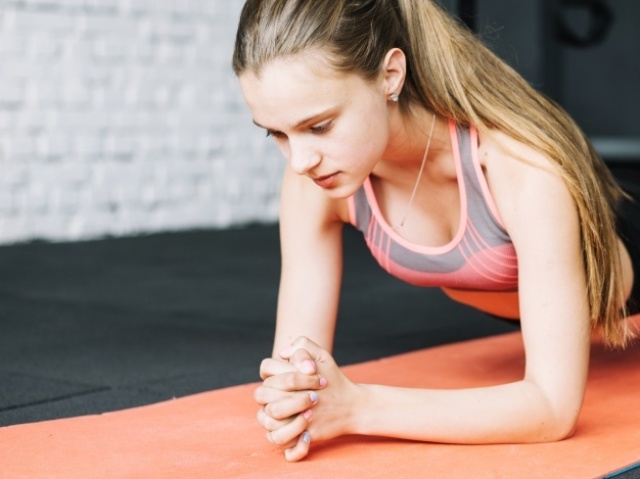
(308, 366)
(323, 382)
(306, 437)
(314, 397)
(308, 415)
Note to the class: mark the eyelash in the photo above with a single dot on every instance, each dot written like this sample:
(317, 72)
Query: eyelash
(314, 129)
(321, 128)
(275, 134)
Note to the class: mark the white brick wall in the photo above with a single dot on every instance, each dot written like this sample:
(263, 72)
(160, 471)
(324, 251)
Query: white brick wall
(120, 117)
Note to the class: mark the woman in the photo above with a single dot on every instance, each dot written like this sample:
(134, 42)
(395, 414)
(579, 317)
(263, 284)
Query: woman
(396, 119)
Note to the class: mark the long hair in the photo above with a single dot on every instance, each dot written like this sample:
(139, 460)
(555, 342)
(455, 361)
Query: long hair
(450, 71)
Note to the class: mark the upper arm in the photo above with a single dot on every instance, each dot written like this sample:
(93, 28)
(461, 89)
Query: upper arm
(311, 244)
(542, 220)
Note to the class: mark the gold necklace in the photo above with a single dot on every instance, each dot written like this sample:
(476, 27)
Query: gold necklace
(415, 187)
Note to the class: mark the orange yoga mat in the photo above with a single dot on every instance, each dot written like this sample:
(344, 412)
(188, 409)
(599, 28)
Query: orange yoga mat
(215, 434)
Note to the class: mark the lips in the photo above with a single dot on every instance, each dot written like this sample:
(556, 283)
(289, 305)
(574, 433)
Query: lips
(326, 181)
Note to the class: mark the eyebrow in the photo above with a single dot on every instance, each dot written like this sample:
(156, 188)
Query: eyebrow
(303, 122)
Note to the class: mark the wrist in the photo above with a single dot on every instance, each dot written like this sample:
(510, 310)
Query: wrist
(360, 419)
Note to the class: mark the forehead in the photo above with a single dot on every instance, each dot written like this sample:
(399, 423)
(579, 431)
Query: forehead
(288, 89)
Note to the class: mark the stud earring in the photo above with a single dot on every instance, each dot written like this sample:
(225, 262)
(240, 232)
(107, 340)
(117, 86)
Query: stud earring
(394, 97)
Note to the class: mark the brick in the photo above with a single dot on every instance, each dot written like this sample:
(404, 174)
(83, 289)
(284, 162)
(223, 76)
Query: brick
(87, 146)
(12, 94)
(52, 146)
(15, 229)
(12, 46)
(7, 200)
(18, 147)
(44, 5)
(43, 48)
(101, 7)
(37, 200)
(32, 119)
(14, 175)
(45, 94)
(41, 21)
(65, 200)
(121, 147)
(8, 121)
(75, 94)
(110, 49)
(79, 122)
(76, 173)
(51, 226)
(166, 30)
(96, 26)
(72, 5)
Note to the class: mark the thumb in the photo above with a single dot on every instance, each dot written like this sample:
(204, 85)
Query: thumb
(308, 357)
(315, 352)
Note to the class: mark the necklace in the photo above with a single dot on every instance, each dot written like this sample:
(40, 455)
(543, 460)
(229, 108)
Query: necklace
(415, 187)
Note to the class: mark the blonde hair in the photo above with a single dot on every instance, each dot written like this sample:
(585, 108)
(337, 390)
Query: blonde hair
(452, 73)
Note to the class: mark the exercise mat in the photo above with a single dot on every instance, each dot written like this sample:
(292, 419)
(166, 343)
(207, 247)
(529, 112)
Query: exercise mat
(215, 434)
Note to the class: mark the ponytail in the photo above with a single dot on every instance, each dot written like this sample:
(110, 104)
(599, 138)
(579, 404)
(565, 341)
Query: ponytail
(456, 75)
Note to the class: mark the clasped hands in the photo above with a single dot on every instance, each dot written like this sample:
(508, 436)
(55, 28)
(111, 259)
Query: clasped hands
(304, 396)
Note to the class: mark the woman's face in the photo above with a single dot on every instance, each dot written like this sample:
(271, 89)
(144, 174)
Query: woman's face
(331, 127)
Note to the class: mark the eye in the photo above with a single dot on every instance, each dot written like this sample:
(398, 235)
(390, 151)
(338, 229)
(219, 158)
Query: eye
(276, 134)
(323, 128)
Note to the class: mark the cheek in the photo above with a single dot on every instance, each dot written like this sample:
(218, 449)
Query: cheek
(358, 156)
(371, 143)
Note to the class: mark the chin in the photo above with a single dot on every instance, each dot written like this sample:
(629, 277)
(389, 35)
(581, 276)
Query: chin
(340, 192)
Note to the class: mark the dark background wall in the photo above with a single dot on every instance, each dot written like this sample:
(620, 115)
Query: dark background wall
(598, 85)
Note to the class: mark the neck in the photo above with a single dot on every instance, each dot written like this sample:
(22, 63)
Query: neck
(408, 139)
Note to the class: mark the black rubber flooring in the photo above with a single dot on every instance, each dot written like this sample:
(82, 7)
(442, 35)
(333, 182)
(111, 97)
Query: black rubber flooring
(103, 325)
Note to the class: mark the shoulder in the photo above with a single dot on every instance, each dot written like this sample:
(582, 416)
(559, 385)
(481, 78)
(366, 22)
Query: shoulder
(502, 155)
(522, 180)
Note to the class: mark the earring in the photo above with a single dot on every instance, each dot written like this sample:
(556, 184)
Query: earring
(394, 97)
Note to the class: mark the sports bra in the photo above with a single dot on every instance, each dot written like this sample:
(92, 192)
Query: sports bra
(481, 256)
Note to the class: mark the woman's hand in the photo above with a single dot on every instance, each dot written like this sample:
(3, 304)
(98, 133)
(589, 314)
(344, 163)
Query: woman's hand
(310, 386)
(286, 397)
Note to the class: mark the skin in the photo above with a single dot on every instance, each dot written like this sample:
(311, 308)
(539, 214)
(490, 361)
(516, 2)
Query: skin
(353, 132)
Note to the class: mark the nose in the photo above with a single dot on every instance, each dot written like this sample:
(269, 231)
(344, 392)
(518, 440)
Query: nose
(303, 157)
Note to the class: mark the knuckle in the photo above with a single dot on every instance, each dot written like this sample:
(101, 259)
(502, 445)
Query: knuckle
(290, 382)
(264, 365)
(271, 410)
(270, 424)
(278, 439)
(258, 394)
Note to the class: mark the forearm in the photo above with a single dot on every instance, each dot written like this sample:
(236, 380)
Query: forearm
(511, 413)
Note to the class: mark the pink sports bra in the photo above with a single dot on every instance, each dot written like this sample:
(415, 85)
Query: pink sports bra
(481, 256)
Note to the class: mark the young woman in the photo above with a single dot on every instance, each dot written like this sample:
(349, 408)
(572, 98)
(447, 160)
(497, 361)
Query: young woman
(397, 120)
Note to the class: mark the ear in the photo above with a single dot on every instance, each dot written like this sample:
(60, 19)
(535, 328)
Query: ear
(394, 71)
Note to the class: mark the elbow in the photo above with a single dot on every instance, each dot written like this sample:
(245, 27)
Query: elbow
(557, 416)
(558, 427)
(547, 431)
(560, 431)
